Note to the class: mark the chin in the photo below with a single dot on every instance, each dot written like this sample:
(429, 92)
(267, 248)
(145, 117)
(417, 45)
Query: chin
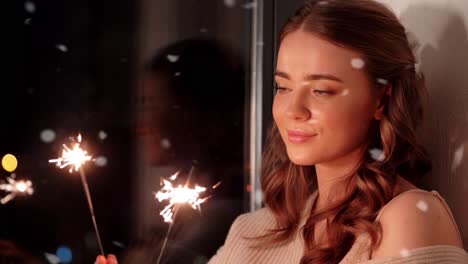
(302, 159)
(302, 162)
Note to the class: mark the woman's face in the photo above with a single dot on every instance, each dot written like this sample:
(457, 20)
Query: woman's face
(324, 104)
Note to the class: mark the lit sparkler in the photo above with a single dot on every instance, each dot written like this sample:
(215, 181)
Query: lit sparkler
(177, 196)
(76, 157)
(15, 187)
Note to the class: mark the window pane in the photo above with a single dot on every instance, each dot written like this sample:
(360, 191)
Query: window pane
(153, 88)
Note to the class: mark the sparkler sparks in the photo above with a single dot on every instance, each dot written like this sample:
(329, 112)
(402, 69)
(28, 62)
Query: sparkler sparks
(179, 195)
(74, 157)
(15, 187)
(176, 196)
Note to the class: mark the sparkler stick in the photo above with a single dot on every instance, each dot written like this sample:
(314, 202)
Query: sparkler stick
(76, 157)
(91, 208)
(166, 238)
(15, 187)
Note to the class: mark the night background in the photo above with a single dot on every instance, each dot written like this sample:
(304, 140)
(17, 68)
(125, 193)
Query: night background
(68, 73)
(80, 67)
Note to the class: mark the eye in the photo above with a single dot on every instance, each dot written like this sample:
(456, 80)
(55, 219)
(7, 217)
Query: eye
(321, 92)
(280, 89)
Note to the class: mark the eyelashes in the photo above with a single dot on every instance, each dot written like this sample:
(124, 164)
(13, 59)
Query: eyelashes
(321, 92)
(281, 89)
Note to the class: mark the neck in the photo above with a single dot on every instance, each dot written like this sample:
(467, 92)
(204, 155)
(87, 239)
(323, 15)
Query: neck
(332, 178)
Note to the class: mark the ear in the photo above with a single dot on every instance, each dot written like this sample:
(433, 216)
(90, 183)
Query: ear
(382, 102)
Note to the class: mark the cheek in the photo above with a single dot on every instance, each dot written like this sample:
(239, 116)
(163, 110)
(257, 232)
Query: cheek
(279, 115)
(351, 121)
(278, 109)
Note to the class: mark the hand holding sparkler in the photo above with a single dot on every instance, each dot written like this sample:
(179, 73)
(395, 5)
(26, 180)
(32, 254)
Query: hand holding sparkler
(111, 259)
(76, 157)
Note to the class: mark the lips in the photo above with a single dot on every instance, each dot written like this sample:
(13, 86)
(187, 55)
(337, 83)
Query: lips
(299, 136)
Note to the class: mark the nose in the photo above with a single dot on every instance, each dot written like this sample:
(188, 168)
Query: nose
(297, 109)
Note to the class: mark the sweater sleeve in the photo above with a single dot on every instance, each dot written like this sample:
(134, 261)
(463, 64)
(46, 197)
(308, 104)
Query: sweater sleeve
(438, 254)
(224, 253)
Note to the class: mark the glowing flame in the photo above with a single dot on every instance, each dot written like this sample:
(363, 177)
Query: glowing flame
(74, 157)
(14, 187)
(180, 195)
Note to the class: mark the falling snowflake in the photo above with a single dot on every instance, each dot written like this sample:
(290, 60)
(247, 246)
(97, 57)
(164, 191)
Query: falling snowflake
(118, 244)
(165, 143)
(230, 3)
(48, 135)
(382, 81)
(30, 7)
(172, 58)
(52, 258)
(422, 205)
(377, 154)
(404, 252)
(100, 161)
(357, 63)
(102, 135)
(62, 47)
(458, 157)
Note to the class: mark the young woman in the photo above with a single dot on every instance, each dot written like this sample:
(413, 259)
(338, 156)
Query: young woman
(343, 148)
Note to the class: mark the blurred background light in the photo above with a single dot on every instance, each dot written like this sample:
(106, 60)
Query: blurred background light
(9, 162)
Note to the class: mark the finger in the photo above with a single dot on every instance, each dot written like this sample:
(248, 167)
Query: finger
(100, 260)
(111, 259)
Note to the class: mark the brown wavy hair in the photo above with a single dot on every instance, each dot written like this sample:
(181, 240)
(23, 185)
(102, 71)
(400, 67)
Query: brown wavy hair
(371, 29)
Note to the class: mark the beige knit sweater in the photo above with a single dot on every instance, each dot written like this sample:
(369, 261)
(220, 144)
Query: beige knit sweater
(236, 249)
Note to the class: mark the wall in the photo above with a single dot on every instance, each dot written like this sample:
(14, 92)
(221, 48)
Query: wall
(440, 28)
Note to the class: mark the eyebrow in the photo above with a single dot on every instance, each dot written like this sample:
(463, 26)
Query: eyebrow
(311, 77)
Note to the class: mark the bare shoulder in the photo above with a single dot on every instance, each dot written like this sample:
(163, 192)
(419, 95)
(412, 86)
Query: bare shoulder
(413, 220)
